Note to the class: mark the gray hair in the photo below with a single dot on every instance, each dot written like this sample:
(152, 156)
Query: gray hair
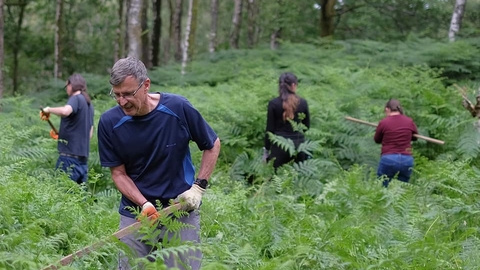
(125, 67)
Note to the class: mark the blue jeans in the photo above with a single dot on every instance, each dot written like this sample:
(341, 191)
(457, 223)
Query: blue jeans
(76, 168)
(392, 165)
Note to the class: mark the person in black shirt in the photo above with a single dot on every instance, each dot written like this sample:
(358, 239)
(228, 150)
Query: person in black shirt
(288, 106)
(76, 129)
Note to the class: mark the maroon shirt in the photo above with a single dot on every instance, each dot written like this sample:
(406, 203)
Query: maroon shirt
(395, 133)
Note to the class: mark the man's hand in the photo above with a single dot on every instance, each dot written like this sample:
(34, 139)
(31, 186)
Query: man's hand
(148, 210)
(191, 198)
(53, 134)
(45, 114)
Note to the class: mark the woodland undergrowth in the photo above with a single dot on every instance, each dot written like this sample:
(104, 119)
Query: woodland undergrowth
(329, 212)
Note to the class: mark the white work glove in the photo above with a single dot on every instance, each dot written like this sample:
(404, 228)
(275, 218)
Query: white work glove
(191, 198)
(265, 155)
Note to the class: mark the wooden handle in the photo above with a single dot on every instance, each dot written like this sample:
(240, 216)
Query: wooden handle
(428, 139)
(119, 234)
(50, 123)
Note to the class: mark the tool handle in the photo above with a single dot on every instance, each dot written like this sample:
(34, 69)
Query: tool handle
(50, 123)
(119, 234)
(428, 139)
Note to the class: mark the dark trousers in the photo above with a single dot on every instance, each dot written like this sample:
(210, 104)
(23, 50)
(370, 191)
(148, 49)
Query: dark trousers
(75, 167)
(280, 157)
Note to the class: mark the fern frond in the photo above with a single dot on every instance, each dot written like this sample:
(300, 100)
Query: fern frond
(285, 144)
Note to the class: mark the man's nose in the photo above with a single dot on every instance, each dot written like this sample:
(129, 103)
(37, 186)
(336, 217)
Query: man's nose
(122, 101)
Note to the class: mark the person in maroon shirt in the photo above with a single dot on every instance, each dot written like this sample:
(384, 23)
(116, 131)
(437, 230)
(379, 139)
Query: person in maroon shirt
(288, 106)
(395, 133)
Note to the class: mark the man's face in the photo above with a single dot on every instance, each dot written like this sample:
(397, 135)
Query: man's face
(131, 95)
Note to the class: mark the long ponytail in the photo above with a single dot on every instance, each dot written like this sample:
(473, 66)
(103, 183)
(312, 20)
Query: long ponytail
(290, 100)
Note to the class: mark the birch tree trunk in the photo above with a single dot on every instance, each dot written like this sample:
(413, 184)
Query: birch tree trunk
(251, 22)
(134, 29)
(187, 34)
(213, 26)
(236, 23)
(193, 29)
(17, 46)
(157, 33)
(57, 67)
(274, 38)
(457, 17)
(125, 43)
(145, 36)
(177, 30)
(327, 13)
(171, 32)
(1, 49)
(118, 44)
(278, 13)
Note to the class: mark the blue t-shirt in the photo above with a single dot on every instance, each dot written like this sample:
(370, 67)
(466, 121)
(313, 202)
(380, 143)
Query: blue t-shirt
(74, 133)
(154, 148)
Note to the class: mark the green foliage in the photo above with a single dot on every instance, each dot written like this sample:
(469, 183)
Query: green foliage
(328, 212)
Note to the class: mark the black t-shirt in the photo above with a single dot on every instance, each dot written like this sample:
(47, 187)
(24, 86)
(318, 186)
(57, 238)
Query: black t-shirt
(276, 124)
(74, 134)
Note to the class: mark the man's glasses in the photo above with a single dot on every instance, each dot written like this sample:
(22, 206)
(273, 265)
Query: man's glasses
(129, 95)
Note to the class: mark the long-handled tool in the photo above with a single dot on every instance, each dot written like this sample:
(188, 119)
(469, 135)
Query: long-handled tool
(428, 139)
(50, 123)
(119, 234)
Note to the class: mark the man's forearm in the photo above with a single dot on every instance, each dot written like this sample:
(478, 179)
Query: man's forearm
(126, 186)
(209, 159)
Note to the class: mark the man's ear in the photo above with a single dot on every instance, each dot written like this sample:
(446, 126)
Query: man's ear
(147, 85)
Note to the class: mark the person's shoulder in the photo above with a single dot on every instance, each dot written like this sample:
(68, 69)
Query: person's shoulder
(275, 100)
(384, 120)
(303, 100)
(170, 98)
(112, 114)
(407, 118)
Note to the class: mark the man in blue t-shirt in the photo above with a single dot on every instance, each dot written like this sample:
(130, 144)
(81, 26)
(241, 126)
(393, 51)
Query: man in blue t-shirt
(76, 129)
(145, 143)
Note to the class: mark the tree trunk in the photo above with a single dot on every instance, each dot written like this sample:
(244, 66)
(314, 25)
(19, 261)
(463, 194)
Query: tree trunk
(157, 33)
(118, 45)
(251, 22)
(187, 35)
(327, 13)
(213, 27)
(171, 31)
(125, 43)
(57, 68)
(193, 29)
(177, 30)
(145, 35)
(457, 17)
(236, 23)
(2, 19)
(17, 46)
(134, 29)
(274, 38)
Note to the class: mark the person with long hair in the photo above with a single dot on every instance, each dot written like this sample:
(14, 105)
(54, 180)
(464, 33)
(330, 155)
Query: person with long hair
(284, 114)
(395, 133)
(76, 129)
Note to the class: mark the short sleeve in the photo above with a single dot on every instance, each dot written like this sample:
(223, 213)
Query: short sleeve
(200, 131)
(73, 102)
(108, 155)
